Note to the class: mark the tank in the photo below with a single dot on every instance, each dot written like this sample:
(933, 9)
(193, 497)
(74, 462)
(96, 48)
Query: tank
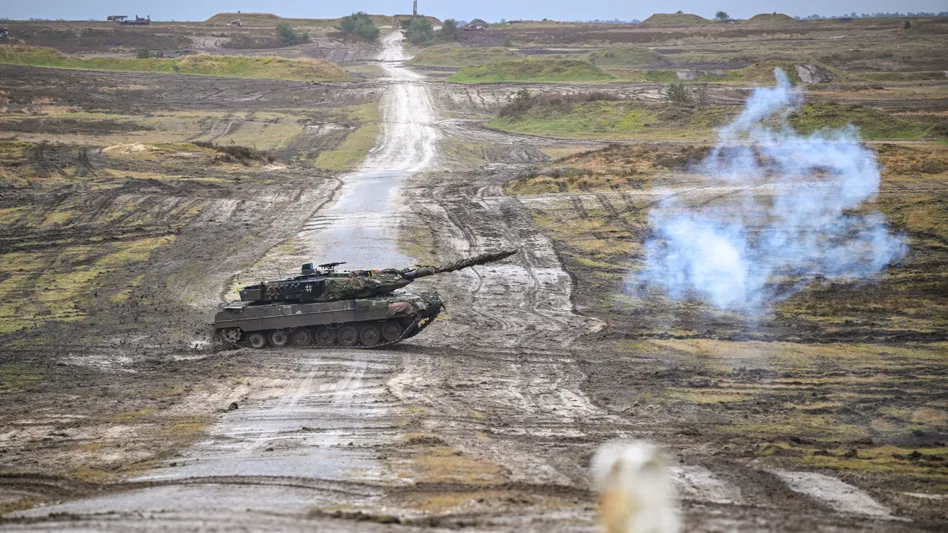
(359, 308)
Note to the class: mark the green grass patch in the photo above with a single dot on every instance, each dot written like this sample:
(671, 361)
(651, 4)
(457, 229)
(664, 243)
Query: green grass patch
(17, 378)
(582, 119)
(937, 75)
(625, 57)
(455, 55)
(656, 75)
(277, 68)
(350, 153)
(872, 123)
(532, 70)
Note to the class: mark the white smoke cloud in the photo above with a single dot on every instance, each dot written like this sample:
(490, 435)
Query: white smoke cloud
(790, 213)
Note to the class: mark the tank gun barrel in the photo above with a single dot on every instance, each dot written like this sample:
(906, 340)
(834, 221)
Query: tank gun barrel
(481, 259)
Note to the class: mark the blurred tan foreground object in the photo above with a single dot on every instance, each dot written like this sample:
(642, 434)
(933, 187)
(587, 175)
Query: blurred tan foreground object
(637, 494)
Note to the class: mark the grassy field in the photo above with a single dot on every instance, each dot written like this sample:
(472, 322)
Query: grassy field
(532, 70)
(617, 119)
(224, 66)
(453, 55)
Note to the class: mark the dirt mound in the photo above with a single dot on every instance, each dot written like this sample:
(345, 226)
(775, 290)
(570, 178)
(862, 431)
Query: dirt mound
(675, 19)
(771, 18)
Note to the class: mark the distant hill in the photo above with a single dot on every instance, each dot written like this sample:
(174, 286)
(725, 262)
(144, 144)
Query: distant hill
(269, 19)
(771, 18)
(675, 19)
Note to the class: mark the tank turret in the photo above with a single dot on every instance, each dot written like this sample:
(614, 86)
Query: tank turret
(323, 284)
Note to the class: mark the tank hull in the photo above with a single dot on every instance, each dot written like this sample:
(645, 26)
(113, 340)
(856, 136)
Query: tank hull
(376, 321)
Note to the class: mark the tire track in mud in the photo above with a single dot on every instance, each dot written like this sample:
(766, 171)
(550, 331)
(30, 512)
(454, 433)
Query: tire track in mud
(520, 378)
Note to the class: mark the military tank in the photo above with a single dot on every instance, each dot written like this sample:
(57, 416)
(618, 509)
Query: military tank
(321, 306)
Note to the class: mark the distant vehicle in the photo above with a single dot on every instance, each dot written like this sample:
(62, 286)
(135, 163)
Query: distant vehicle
(235, 23)
(4, 34)
(137, 22)
(117, 18)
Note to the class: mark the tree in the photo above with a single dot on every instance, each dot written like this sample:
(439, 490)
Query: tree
(360, 24)
(419, 31)
(289, 37)
(449, 30)
(722, 16)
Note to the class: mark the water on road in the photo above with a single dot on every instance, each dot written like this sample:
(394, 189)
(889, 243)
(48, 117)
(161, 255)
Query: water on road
(360, 228)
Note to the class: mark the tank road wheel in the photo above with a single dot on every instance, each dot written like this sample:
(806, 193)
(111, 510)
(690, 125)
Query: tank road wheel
(392, 330)
(348, 336)
(256, 340)
(279, 338)
(370, 335)
(301, 337)
(230, 335)
(325, 336)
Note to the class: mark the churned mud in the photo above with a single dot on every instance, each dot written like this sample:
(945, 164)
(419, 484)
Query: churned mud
(487, 420)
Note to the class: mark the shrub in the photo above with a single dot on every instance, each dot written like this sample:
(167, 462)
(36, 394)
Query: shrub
(721, 15)
(449, 30)
(142, 53)
(360, 24)
(289, 37)
(677, 93)
(419, 31)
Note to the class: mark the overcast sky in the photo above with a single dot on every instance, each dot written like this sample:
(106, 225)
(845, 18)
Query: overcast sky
(490, 10)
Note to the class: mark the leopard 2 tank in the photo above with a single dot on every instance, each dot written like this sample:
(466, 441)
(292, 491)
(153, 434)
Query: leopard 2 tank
(359, 308)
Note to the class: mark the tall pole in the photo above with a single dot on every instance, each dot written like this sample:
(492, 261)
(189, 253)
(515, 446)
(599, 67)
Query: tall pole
(414, 11)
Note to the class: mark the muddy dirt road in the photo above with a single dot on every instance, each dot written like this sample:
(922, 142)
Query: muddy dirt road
(358, 227)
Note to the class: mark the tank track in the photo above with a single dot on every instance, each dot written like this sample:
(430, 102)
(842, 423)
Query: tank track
(415, 327)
